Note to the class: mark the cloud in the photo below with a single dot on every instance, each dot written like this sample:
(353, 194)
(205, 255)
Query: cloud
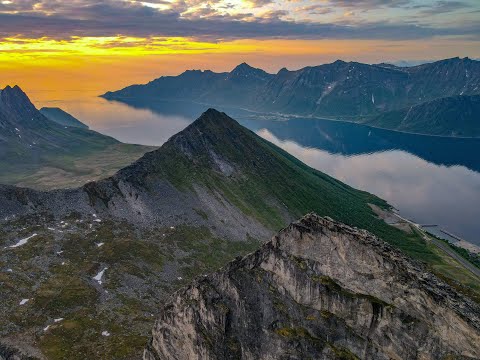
(370, 4)
(442, 7)
(62, 20)
(260, 3)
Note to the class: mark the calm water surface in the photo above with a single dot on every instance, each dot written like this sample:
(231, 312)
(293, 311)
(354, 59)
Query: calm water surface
(431, 180)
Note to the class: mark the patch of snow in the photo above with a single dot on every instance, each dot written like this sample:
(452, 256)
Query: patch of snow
(373, 99)
(59, 252)
(46, 328)
(98, 277)
(22, 241)
(51, 229)
(63, 263)
(9, 270)
(94, 215)
(99, 244)
(97, 220)
(17, 129)
(57, 320)
(105, 333)
(172, 227)
(179, 278)
(24, 301)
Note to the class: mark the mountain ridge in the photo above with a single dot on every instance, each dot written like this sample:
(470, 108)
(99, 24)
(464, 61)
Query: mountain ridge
(62, 117)
(318, 289)
(340, 90)
(450, 116)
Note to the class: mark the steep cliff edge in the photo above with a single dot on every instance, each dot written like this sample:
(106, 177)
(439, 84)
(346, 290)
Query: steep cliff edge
(323, 290)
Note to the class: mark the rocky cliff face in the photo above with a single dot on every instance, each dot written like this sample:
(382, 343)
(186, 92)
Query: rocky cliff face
(318, 290)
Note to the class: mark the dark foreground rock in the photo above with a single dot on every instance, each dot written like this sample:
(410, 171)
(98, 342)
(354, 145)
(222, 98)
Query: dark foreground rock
(318, 290)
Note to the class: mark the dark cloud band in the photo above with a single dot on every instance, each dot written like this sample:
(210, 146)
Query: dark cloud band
(110, 18)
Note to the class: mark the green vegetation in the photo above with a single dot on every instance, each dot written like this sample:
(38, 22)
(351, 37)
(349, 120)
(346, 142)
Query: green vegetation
(274, 187)
(467, 255)
(204, 252)
(65, 170)
(132, 288)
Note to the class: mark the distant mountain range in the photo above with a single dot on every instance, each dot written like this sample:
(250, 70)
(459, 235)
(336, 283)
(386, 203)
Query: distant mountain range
(341, 90)
(37, 146)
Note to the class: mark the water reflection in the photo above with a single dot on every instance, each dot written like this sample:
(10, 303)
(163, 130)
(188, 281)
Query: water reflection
(353, 139)
(423, 191)
(123, 122)
(429, 179)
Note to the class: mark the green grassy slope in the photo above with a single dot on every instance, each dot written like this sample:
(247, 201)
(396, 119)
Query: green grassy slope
(270, 185)
(448, 116)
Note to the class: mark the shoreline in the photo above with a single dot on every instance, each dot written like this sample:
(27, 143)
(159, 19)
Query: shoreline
(284, 115)
(390, 216)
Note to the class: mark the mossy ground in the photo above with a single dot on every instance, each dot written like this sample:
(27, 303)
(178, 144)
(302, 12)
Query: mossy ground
(126, 302)
(56, 171)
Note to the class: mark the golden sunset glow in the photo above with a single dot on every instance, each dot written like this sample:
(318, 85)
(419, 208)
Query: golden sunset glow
(105, 45)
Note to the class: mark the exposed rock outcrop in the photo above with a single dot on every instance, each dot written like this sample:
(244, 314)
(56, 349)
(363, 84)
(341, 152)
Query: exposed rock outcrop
(318, 290)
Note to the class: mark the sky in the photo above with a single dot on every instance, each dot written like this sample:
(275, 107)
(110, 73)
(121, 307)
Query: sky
(95, 46)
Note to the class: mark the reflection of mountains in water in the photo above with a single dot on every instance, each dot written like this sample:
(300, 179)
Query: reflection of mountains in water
(187, 109)
(336, 137)
(353, 139)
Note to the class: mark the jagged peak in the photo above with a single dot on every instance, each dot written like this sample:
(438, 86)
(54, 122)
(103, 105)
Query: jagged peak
(244, 69)
(243, 66)
(14, 97)
(13, 90)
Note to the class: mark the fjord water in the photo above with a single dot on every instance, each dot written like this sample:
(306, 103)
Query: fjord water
(431, 180)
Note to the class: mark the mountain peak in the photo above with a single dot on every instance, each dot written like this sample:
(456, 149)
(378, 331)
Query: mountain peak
(243, 66)
(15, 104)
(245, 70)
(213, 141)
(14, 91)
(211, 121)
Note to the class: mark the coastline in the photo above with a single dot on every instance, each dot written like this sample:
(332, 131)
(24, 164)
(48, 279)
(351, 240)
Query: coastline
(395, 219)
(285, 115)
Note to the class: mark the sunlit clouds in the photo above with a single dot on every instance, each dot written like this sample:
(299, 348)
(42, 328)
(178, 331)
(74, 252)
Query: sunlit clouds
(169, 36)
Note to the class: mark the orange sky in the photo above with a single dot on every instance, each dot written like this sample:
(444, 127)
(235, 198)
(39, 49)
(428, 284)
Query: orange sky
(96, 65)
(51, 47)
